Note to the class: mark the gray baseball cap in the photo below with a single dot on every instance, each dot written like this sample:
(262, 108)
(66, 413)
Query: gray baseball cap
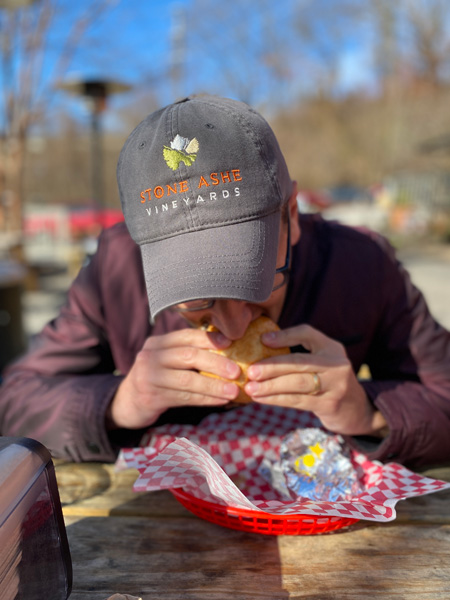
(202, 183)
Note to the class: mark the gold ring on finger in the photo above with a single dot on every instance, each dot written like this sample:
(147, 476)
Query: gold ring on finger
(317, 385)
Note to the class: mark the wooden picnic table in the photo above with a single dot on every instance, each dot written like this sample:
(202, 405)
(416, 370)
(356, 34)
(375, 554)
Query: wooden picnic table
(147, 545)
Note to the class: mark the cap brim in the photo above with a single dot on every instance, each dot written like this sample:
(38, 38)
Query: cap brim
(235, 261)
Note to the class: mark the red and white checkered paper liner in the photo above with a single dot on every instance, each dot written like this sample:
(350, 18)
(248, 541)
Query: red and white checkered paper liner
(201, 459)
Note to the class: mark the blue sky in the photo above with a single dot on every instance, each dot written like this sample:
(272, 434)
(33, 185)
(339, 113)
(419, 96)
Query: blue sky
(230, 48)
(136, 46)
(129, 44)
(140, 48)
(133, 36)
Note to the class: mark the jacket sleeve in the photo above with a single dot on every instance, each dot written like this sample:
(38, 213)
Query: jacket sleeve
(410, 366)
(59, 391)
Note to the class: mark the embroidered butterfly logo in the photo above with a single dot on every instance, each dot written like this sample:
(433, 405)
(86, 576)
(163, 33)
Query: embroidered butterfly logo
(181, 150)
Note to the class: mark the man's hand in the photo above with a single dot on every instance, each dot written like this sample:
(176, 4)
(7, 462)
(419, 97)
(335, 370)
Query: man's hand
(165, 375)
(293, 381)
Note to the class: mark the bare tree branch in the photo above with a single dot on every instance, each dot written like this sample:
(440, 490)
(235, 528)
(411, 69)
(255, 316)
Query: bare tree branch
(25, 52)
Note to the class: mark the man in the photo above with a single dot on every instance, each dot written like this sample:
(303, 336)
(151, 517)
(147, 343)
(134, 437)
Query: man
(212, 210)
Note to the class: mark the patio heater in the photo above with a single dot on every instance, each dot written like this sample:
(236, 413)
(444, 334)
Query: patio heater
(96, 92)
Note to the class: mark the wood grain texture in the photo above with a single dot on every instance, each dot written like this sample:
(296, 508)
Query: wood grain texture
(172, 558)
(94, 489)
(149, 546)
(189, 558)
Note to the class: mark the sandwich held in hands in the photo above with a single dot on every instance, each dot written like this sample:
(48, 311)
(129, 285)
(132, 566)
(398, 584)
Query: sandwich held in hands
(248, 350)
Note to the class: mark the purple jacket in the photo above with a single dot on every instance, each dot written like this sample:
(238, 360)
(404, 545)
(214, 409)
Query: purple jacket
(344, 282)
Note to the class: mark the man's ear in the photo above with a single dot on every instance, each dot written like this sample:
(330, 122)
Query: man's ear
(293, 215)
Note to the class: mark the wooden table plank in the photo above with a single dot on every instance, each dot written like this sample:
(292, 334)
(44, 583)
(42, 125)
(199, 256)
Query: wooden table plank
(431, 509)
(172, 558)
(378, 561)
(191, 559)
(94, 489)
(150, 546)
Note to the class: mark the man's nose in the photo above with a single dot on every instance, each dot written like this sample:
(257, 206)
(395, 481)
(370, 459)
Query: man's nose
(232, 317)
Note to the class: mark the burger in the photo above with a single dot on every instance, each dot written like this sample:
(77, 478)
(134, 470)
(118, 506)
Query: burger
(248, 350)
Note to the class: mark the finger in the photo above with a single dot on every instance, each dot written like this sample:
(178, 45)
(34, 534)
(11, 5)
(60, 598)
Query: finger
(302, 335)
(186, 386)
(174, 398)
(277, 366)
(296, 384)
(193, 358)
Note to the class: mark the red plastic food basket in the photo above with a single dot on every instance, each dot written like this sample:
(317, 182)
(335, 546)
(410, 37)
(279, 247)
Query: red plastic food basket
(259, 522)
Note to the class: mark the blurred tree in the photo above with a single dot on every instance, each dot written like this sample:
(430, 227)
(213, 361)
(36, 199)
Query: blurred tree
(428, 39)
(412, 41)
(326, 30)
(59, 165)
(386, 44)
(33, 58)
(242, 47)
(286, 59)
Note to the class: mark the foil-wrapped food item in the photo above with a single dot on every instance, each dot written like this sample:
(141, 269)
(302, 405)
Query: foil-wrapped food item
(313, 464)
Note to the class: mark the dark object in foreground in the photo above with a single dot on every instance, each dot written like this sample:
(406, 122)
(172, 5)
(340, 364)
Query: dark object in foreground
(35, 562)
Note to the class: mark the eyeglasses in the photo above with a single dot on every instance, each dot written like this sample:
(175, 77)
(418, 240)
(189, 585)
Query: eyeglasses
(204, 304)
